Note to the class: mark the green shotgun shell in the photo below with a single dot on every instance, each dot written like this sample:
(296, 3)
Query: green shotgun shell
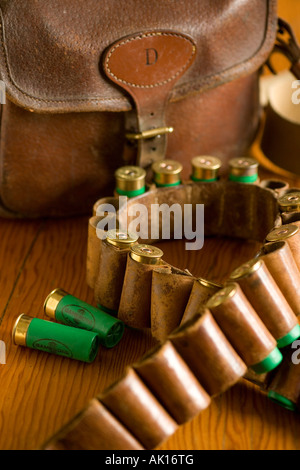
(166, 173)
(54, 338)
(205, 168)
(130, 181)
(63, 307)
(243, 170)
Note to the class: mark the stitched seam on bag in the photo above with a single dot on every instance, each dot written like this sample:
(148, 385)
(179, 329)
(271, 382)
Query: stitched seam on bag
(141, 36)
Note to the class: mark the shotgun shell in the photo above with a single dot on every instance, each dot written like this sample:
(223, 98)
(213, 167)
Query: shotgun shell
(268, 301)
(66, 309)
(130, 181)
(166, 173)
(121, 239)
(243, 170)
(205, 168)
(55, 338)
(244, 329)
(289, 233)
(290, 202)
(146, 254)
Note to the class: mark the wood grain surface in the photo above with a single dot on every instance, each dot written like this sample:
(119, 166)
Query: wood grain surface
(39, 392)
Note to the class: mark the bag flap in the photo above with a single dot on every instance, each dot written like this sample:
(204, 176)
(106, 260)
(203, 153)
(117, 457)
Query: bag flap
(51, 51)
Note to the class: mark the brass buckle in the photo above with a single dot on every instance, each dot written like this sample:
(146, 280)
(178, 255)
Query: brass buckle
(149, 134)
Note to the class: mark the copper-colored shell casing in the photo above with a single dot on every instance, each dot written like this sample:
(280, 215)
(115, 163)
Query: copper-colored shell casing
(95, 428)
(265, 297)
(241, 324)
(173, 383)
(282, 266)
(208, 353)
(136, 407)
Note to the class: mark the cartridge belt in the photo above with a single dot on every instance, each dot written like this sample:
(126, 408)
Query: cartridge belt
(157, 296)
(209, 336)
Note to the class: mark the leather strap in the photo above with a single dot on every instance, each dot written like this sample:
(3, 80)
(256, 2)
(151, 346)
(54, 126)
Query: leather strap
(286, 44)
(147, 65)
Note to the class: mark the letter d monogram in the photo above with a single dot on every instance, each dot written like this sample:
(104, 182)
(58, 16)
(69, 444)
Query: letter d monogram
(151, 56)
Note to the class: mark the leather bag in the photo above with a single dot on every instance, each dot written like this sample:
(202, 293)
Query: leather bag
(86, 81)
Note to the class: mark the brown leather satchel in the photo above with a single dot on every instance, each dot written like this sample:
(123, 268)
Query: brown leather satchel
(93, 85)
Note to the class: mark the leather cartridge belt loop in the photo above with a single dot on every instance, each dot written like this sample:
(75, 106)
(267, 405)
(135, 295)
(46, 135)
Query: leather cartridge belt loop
(225, 333)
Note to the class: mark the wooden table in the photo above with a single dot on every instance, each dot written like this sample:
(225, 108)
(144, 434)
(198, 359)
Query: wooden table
(40, 392)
